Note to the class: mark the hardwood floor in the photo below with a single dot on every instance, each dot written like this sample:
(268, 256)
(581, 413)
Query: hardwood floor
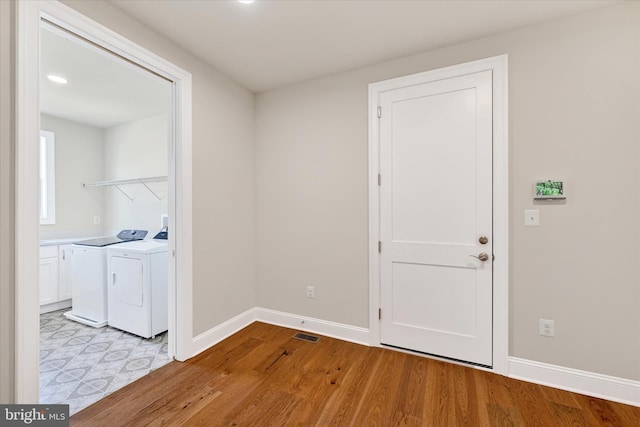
(261, 376)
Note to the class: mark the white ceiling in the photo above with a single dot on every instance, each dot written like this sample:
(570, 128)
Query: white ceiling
(268, 44)
(272, 43)
(103, 90)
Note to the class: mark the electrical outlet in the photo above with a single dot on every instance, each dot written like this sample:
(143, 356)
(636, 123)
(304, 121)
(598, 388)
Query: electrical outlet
(547, 328)
(311, 292)
(97, 220)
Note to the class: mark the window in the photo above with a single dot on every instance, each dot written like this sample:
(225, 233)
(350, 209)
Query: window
(47, 178)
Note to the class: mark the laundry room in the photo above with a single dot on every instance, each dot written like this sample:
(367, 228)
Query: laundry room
(104, 214)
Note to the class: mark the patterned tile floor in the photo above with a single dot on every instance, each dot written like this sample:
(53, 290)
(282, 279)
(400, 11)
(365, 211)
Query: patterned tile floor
(79, 364)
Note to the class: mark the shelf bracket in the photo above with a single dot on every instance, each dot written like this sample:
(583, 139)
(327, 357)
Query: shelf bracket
(123, 192)
(150, 190)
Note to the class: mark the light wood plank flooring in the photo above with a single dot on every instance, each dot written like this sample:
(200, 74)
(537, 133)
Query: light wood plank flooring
(261, 376)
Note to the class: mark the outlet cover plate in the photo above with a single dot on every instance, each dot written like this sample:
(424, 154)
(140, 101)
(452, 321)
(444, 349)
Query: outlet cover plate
(547, 328)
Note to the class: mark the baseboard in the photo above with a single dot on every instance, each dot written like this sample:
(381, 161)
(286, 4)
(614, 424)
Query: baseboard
(577, 381)
(308, 324)
(340, 331)
(224, 330)
(55, 306)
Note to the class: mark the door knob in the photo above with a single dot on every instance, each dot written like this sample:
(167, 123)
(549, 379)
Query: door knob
(483, 240)
(482, 256)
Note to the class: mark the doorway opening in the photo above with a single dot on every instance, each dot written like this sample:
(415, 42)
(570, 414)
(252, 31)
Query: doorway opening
(109, 122)
(163, 196)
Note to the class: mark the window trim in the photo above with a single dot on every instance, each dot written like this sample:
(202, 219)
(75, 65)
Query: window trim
(47, 178)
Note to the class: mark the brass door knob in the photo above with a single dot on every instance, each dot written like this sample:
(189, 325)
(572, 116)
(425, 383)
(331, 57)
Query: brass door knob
(482, 256)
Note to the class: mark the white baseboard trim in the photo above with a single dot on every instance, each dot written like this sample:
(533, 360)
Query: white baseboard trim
(577, 381)
(307, 324)
(340, 331)
(55, 306)
(224, 330)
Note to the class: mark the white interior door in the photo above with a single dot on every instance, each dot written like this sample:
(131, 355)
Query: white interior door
(436, 217)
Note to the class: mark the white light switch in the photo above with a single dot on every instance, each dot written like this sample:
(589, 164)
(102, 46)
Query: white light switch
(532, 218)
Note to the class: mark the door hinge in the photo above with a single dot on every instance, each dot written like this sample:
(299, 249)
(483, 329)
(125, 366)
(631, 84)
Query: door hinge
(379, 179)
(379, 314)
(379, 246)
(379, 112)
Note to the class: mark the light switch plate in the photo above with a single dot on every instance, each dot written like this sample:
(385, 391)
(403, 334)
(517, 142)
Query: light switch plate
(532, 218)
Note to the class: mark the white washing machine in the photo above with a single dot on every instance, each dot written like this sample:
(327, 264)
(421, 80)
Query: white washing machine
(89, 286)
(89, 277)
(137, 287)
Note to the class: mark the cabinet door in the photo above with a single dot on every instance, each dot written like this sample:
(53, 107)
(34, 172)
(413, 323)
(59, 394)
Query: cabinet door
(48, 280)
(64, 261)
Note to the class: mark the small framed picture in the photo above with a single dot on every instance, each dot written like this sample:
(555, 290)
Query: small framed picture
(550, 189)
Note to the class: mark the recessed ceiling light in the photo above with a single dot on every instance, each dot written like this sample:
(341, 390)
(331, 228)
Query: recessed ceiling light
(57, 79)
(246, 1)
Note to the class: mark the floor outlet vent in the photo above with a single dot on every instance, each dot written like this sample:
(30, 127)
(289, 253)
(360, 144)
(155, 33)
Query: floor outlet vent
(306, 337)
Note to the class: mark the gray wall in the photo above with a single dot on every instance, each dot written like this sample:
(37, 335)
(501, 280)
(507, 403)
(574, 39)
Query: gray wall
(79, 158)
(573, 113)
(86, 153)
(223, 176)
(137, 149)
(7, 223)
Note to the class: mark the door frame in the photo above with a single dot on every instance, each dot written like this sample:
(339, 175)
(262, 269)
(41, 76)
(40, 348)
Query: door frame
(498, 66)
(27, 325)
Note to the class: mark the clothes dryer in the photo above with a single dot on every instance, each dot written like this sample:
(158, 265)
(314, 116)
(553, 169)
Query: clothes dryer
(137, 287)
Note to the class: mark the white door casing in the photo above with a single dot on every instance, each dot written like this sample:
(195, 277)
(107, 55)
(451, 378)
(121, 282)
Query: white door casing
(424, 270)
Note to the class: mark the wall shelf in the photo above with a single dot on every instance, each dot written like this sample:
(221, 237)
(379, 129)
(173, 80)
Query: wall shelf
(119, 183)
